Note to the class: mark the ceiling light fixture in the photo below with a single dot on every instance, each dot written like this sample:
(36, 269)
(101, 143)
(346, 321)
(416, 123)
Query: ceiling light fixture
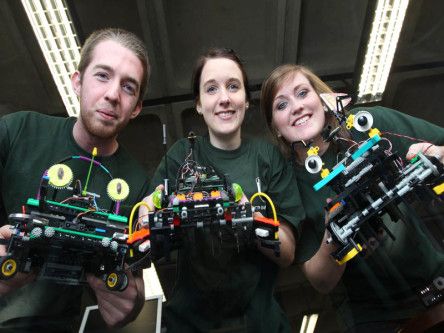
(386, 27)
(57, 38)
(309, 323)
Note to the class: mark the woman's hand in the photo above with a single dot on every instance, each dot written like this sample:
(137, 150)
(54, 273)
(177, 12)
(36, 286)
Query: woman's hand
(143, 210)
(427, 149)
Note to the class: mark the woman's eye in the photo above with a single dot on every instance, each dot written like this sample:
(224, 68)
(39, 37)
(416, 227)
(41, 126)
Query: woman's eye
(233, 87)
(281, 105)
(211, 89)
(302, 93)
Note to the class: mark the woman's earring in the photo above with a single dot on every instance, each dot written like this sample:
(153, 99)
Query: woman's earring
(247, 105)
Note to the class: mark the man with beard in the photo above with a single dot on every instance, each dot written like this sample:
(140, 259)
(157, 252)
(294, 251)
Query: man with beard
(110, 82)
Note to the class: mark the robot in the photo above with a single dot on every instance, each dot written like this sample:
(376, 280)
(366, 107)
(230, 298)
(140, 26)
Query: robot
(369, 181)
(64, 240)
(203, 199)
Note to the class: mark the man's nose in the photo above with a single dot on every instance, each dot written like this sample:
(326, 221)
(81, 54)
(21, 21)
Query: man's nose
(112, 93)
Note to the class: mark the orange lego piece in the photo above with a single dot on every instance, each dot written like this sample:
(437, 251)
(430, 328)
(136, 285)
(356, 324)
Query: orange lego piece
(334, 207)
(215, 194)
(138, 235)
(181, 196)
(267, 220)
(198, 196)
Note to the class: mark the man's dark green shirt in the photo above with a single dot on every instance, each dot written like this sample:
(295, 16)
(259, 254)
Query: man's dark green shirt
(30, 143)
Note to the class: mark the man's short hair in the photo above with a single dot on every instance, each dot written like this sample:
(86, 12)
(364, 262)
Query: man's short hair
(126, 39)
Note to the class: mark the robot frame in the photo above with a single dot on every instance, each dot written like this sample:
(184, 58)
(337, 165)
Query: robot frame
(369, 181)
(205, 200)
(64, 240)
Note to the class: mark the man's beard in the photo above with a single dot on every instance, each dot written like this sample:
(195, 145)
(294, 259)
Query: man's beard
(100, 129)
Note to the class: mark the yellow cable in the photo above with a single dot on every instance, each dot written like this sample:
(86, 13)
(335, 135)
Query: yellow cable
(130, 223)
(269, 201)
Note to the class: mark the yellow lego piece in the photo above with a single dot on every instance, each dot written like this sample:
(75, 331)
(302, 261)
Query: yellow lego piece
(373, 132)
(349, 122)
(439, 189)
(313, 151)
(325, 173)
(350, 255)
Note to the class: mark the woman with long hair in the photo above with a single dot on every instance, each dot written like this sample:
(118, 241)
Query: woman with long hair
(379, 286)
(226, 287)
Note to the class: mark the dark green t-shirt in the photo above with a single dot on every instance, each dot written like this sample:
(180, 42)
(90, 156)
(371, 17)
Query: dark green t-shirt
(217, 286)
(381, 286)
(29, 144)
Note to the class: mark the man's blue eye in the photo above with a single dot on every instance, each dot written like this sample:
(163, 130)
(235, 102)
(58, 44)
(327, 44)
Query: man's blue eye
(101, 75)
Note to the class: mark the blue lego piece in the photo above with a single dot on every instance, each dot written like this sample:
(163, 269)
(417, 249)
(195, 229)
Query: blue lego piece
(336, 171)
(366, 146)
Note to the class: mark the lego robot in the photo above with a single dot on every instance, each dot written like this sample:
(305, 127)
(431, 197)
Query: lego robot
(203, 199)
(64, 240)
(369, 181)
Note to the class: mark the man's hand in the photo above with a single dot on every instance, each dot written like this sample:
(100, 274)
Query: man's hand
(118, 308)
(5, 233)
(19, 279)
(426, 149)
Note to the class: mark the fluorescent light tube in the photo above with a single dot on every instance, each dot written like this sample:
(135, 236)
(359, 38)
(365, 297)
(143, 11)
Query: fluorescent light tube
(56, 36)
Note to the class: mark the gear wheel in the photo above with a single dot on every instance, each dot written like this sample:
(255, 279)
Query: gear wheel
(60, 176)
(118, 189)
